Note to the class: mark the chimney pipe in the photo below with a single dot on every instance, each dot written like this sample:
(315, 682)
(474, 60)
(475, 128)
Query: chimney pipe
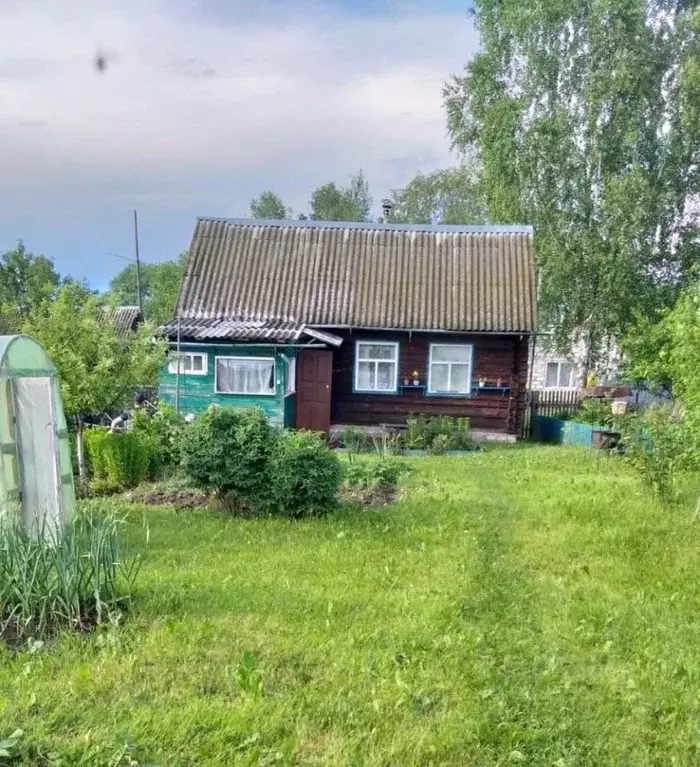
(387, 208)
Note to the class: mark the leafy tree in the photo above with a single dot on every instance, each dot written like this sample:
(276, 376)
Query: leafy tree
(668, 353)
(269, 205)
(584, 119)
(449, 196)
(160, 284)
(98, 371)
(351, 203)
(26, 281)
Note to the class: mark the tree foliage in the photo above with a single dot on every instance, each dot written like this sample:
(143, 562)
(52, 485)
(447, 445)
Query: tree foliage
(352, 203)
(270, 206)
(26, 281)
(160, 284)
(98, 371)
(448, 196)
(584, 120)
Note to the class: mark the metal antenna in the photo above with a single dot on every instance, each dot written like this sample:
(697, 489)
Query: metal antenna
(138, 263)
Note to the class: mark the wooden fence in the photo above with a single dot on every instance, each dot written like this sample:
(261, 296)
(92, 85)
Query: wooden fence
(554, 403)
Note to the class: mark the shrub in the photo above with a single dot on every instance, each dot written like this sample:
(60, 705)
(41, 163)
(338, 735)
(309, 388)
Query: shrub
(305, 475)
(654, 444)
(119, 459)
(161, 433)
(383, 471)
(438, 434)
(73, 579)
(595, 411)
(228, 451)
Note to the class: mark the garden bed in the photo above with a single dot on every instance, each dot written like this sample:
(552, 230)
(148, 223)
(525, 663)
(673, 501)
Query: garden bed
(376, 496)
(181, 498)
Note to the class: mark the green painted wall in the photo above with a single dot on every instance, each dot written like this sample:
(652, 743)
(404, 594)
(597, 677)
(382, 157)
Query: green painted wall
(197, 391)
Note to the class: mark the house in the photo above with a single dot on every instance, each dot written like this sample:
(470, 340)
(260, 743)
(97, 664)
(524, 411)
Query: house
(568, 372)
(355, 323)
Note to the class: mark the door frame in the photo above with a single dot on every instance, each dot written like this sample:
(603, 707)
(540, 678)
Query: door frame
(301, 355)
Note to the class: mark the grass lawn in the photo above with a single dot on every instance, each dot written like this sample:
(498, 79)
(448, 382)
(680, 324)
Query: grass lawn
(521, 606)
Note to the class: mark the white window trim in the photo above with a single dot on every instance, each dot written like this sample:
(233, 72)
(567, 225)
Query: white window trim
(572, 375)
(246, 359)
(290, 375)
(430, 371)
(395, 361)
(173, 364)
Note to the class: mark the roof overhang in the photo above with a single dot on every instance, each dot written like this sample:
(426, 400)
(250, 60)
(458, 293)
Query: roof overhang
(268, 330)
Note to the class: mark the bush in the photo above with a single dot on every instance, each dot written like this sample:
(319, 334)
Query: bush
(161, 433)
(438, 434)
(121, 460)
(305, 475)
(383, 471)
(654, 444)
(228, 451)
(72, 580)
(595, 411)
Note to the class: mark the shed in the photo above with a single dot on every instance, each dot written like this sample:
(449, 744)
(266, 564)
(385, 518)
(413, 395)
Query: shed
(36, 477)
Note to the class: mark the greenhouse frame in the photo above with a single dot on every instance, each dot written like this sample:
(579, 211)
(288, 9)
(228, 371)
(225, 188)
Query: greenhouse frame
(36, 476)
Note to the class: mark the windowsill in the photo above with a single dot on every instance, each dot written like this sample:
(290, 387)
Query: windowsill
(463, 395)
(242, 394)
(385, 392)
(188, 373)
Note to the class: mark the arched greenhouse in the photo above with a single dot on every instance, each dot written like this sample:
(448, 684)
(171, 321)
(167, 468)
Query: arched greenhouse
(36, 478)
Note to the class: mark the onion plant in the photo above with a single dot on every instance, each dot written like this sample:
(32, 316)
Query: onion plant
(72, 579)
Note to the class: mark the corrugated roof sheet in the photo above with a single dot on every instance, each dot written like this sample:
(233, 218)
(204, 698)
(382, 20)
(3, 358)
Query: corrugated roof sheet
(124, 318)
(338, 274)
(271, 330)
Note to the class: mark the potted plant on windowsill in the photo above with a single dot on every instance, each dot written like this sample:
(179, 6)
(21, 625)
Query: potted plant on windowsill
(416, 380)
(406, 381)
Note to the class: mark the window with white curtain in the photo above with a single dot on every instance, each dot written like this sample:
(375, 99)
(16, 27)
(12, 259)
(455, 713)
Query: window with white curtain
(191, 363)
(560, 375)
(450, 369)
(245, 375)
(376, 366)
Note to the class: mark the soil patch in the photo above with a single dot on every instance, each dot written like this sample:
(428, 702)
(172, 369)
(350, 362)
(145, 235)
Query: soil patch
(182, 499)
(368, 497)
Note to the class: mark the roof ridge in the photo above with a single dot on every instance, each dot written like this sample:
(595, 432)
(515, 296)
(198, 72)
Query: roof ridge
(369, 225)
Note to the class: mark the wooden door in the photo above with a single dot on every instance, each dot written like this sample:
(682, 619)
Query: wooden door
(314, 370)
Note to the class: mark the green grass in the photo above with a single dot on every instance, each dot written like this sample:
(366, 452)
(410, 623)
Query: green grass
(521, 606)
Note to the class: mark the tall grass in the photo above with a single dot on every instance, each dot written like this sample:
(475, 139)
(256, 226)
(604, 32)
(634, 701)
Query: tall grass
(69, 580)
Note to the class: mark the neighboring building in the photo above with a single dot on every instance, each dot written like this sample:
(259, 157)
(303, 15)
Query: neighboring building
(125, 320)
(321, 322)
(552, 370)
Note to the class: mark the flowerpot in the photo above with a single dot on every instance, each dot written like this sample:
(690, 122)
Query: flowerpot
(406, 381)
(416, 382)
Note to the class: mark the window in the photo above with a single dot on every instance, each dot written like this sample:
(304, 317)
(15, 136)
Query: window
(450, 369)
(376, 366)
(559, 375)
(290, 381)
(245, 375)
(191, 363)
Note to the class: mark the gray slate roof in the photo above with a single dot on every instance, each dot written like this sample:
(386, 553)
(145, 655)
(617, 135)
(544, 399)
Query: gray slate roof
(338, 274)
(270, 330)
(125, 319)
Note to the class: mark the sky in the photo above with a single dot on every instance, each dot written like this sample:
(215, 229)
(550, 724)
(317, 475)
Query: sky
(204, 104)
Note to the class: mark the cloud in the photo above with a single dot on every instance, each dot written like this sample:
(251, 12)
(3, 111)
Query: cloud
(200, 108)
